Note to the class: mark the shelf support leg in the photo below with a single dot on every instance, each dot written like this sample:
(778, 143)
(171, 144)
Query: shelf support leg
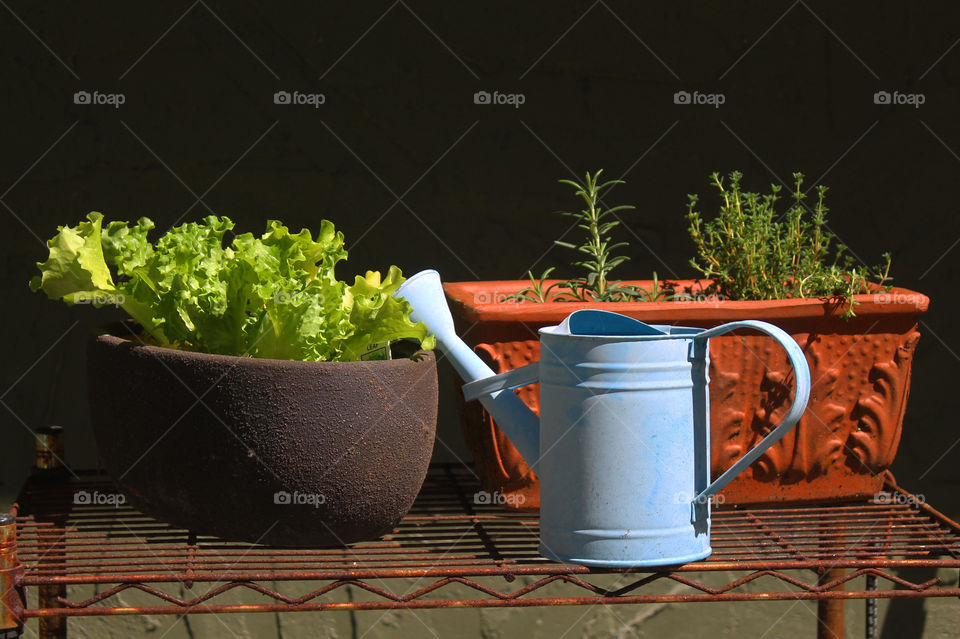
(11, 572)
(830, 611)
(870, 630)
(49, 463)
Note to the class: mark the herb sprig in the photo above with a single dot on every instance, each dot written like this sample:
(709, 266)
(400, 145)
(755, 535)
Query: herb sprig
(598, 250)
(754, 253)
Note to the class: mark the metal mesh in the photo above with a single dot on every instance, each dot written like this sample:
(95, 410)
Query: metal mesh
(448, 539)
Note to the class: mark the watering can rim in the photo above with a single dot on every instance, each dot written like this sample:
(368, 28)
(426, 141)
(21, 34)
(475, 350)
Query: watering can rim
(670, 332)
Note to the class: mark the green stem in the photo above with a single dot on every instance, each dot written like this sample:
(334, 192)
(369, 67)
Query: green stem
(142, 316)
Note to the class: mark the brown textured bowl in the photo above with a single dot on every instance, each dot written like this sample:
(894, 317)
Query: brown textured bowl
(268, 451)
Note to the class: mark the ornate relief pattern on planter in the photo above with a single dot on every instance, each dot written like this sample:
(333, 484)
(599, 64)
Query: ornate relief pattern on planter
(880, 414)
(850, 432)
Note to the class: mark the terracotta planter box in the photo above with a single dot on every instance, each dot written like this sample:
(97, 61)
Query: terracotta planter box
(859, 367)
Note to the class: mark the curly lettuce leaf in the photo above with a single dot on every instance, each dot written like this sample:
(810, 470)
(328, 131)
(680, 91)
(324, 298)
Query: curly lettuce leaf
(196, 281)
(76, 266)
(273, 296)
(302, 314)
(125, 247)
(76, 270)
(378, 316)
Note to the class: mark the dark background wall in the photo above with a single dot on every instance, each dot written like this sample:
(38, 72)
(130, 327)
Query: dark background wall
(416, 174)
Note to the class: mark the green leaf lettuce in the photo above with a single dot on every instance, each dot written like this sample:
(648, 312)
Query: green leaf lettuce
(274, 296)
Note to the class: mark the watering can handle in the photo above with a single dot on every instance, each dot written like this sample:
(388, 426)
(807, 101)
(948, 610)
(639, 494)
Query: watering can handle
(801, 373)
(514, 378)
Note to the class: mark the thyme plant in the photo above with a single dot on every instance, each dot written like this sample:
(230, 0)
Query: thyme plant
(753, 253)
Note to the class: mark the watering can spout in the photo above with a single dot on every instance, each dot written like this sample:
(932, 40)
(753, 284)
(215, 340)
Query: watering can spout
(424, 292)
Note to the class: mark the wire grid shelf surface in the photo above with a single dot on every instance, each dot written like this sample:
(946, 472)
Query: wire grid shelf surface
(448, 539)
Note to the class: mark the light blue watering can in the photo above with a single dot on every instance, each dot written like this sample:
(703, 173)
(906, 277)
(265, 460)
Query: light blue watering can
(622, 445)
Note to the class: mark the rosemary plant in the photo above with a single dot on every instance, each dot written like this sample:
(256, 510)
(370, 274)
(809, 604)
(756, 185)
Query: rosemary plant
(753, 253)
(597, 249)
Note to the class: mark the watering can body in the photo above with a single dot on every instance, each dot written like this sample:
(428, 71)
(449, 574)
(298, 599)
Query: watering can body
(623, 449)
(622, 445)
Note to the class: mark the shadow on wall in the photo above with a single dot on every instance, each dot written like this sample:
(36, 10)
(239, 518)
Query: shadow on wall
(907, 617)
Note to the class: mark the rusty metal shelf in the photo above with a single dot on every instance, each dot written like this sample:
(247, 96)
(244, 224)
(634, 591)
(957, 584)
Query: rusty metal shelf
(448, 545)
